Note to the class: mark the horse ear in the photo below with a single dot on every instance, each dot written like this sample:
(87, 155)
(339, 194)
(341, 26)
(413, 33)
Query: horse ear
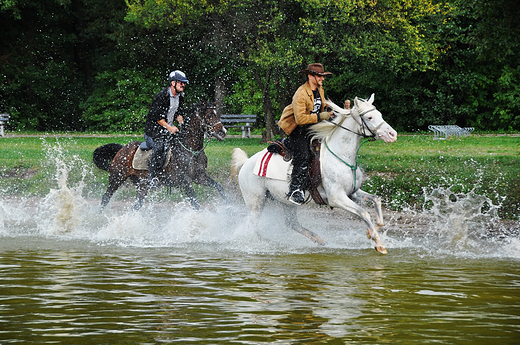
(356, 102)
(371, 99)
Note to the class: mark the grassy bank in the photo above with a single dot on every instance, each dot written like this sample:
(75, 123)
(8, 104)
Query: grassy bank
(398, 172)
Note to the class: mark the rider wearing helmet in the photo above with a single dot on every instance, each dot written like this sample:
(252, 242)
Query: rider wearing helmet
(167, 107)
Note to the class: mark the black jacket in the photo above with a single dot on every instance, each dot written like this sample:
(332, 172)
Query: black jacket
(159, 110)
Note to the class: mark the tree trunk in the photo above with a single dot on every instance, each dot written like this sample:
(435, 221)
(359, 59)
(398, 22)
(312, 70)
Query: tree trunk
(220, 93)
(267, 106)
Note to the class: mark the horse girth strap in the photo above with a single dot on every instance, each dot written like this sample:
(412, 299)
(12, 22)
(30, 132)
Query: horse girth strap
(315, 177)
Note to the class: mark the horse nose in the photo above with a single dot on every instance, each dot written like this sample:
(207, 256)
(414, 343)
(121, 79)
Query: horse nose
(392, 134)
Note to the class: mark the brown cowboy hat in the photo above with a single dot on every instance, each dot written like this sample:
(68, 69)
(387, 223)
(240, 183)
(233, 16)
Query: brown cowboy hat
(315, 69)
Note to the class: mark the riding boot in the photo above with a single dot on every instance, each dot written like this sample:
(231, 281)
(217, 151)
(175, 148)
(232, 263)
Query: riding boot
(155, 165)
(299, 179)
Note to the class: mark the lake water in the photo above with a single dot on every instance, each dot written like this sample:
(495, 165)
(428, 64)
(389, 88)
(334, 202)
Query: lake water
(168, 274)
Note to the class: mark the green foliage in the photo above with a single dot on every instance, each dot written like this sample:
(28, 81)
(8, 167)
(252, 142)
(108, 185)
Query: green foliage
(150, 13)
(507, 99)
(120, 101)
(428, 62)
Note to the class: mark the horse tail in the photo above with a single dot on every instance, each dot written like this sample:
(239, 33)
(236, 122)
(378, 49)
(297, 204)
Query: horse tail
(104, 155)
(238, 158)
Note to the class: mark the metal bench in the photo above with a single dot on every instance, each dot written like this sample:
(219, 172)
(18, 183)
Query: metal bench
(4, 119)
(441, 132)
(244, 122)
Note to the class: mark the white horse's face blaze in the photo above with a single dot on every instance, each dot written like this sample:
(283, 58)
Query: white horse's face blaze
(378, 126)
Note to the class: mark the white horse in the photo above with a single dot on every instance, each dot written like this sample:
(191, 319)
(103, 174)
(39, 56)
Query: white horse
(341, 177)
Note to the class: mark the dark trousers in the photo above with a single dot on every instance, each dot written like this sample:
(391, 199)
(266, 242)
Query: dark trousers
(298, 143)
(158, 156)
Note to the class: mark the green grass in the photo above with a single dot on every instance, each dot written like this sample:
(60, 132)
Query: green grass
(399, 172)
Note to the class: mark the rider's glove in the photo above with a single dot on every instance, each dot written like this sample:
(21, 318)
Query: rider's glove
(325, 115)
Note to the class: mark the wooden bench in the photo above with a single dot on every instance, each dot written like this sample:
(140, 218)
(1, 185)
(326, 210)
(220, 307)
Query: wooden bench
(4, 119)
(244, 122)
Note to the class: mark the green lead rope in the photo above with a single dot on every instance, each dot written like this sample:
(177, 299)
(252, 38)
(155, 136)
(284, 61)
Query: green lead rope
(352, 167)
(193, 153)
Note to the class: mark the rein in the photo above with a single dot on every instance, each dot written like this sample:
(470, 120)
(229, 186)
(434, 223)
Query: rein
(362, 124)
(352, 167)
(373, 135)
(364, 135)
(195, 153)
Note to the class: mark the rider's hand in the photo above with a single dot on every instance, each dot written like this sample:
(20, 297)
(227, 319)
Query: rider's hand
(324, 115)
(180, 119)
(173, 129)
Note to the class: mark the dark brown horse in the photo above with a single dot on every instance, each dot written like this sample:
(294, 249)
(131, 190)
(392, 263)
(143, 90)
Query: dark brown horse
(186, 165)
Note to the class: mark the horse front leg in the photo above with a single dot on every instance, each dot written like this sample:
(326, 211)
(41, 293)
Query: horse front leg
(361, 195)
(291, 220)
(206, 180)
(190, 194)
(344, 202)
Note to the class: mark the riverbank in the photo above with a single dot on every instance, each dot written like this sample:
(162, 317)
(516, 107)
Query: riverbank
(401, 173)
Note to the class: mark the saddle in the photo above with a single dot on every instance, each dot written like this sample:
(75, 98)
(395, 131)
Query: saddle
(142, 158)
(278, 146)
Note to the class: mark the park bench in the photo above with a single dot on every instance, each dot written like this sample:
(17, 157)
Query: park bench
(441, 132)
(244, 122)
(4, 118)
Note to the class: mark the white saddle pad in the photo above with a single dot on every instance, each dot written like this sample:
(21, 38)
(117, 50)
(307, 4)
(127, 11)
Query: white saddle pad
(141, 159)
(272, 165)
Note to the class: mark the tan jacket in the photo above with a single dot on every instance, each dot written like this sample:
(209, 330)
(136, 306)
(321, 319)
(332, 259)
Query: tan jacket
(299, 111)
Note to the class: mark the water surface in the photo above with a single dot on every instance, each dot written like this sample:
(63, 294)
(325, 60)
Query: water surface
(166, 274)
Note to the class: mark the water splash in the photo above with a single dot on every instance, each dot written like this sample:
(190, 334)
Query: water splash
(459, 217)
(455, 223)
(62, 210)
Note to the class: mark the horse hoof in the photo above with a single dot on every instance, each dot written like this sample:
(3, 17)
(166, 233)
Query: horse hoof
(381, 249)
(319, 241)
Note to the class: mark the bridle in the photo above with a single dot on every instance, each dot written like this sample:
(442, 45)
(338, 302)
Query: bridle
(364, 128)
(363, 124)
(209, 128)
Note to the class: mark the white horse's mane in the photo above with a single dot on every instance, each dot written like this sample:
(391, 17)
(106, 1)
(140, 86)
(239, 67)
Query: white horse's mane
(324, 129)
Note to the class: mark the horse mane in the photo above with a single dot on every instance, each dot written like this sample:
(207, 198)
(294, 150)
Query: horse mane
(324, 129)
(195, 109)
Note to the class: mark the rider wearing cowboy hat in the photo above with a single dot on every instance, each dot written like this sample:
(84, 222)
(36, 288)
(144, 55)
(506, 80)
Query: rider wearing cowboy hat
(167, 107)
(307, 108)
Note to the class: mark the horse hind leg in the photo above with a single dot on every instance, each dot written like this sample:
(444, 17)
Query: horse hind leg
(291, 220)
(114, 182)
(142, 188)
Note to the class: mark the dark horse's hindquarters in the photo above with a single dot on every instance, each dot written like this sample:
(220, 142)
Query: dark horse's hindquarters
(187, 163)
(104, 155)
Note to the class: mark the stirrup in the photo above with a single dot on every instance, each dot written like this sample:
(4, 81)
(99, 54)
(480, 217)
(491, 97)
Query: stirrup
(297, 197)
(153, 182)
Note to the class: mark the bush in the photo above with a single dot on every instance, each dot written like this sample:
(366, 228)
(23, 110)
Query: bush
(120, 101)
